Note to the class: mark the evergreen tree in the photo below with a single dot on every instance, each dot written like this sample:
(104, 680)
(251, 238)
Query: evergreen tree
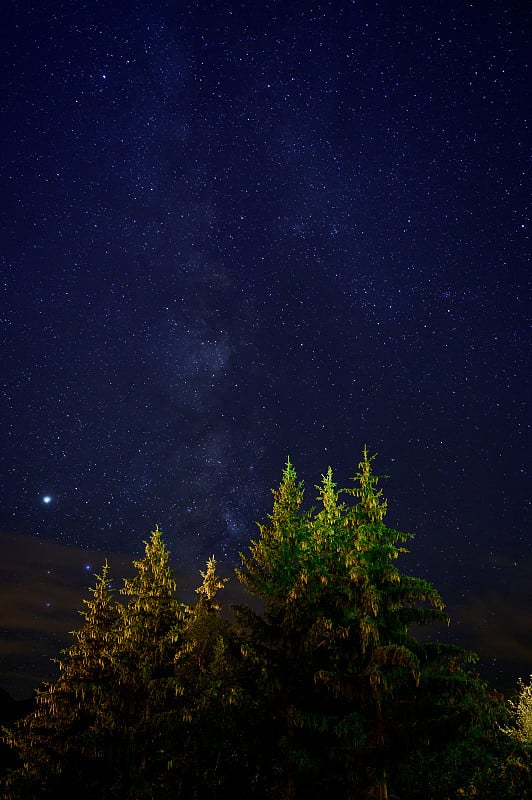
(147, 724)
(384, 661)
(208, 668)
(275, 646)
(64, 744)
(457, 742)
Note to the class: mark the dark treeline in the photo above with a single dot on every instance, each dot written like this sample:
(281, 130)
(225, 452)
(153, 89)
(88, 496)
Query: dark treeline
(326, 692)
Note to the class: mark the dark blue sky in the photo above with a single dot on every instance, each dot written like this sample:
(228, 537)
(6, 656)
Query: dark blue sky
(237, 231)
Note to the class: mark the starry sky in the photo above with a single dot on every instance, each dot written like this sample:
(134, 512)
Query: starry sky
(237, 231)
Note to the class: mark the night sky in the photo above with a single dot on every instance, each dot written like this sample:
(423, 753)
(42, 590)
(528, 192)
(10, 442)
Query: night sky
(237, 231)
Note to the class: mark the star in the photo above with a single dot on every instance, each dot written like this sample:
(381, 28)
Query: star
(47, 499)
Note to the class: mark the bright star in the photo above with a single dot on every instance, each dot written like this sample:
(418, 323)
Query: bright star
(47, 499)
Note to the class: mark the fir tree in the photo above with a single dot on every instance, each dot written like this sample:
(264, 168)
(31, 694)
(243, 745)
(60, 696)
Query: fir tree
(383, 658)
(275, 647)
(147, 725)
(215, 705)
(64, 743)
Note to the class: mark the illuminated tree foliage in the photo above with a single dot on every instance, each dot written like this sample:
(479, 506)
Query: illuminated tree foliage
(213, 759)
(63, 743)
(521, 710)
(333, 644)
(274, 644)
(147, 708)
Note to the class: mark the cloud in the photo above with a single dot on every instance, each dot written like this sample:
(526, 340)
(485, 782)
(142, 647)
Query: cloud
(498, 626)
(494, 618)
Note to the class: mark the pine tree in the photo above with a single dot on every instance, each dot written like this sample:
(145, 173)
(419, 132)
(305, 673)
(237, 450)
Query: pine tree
(375, 665)
(454, 742)
(277, 643)
(388, 659)
(63, 744)
(147, 727)
(215, 704)
(270, 569)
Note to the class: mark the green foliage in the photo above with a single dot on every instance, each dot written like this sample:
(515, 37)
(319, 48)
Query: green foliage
(146, 704)
(62, 743)
(334, 642)
(211, 586)
(521, 711)
(214, 702)
(504, 767)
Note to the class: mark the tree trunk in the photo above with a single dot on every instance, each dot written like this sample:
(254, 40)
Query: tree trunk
(377, 784)
(289, 791)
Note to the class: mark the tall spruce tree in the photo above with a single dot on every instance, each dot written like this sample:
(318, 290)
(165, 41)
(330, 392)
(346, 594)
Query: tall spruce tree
(147, 726)
(379, 657)
(276, 645)
(64, 744)
(214, 761)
